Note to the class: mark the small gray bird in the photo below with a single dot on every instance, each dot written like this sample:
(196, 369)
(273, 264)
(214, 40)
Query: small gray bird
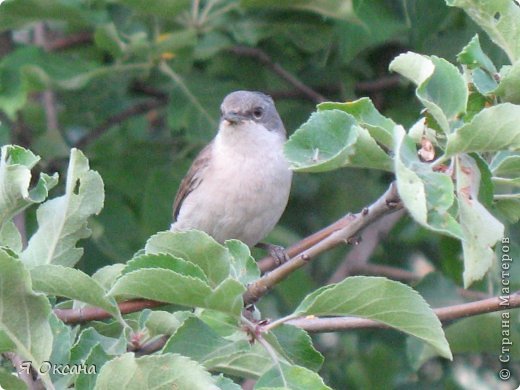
(239, 184)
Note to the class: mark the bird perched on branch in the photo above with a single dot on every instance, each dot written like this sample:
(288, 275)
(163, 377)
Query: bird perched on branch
(239, 184)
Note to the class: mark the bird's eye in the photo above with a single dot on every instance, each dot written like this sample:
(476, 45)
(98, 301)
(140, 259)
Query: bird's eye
(258, 112)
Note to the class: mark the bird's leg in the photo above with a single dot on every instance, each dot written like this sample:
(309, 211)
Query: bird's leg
(277, 252)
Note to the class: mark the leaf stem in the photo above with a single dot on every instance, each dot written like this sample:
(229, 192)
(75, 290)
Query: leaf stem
(273, 356)
(279, 322)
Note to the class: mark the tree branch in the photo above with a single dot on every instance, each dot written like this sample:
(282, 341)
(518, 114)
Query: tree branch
(264, 58)
(75, 316)
(66, 42)
(448, 313)
(341, 324)
(338, 233)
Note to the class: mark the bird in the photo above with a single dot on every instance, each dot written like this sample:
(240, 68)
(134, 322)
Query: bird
(238, 186)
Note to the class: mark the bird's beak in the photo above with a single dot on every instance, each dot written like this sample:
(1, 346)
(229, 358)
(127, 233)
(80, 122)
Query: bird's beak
(233, 117)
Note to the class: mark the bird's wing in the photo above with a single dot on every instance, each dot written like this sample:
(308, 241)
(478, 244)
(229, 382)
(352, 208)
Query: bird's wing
(192, 179)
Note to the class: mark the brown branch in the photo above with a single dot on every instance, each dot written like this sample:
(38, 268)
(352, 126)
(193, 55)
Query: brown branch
(137, 109)
(264, 58)
(75, 316)
(376, 85)
(338, 233)
(449, 313)
(67, 42)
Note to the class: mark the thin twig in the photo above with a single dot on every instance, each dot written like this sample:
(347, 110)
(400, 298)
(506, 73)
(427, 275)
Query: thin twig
(264, 58)
(69, 41)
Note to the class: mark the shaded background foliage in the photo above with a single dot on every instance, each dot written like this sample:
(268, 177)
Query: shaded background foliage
(137, 86)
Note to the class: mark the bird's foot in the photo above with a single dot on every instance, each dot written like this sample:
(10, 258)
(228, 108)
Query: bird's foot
(277, 252)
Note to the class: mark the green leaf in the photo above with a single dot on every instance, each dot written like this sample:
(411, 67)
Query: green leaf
(196, 247)
(107, 275)
(62, 221)
(329, 8)
(24, 318)
(249, 364)
(227, 297)
(473, 56)
(89, 339)
(493, 129)
(15, 177)
(10, 381)
(482, 69)
(296, 346)
(97, 357)
(509, 86)
(426, 194)
(165, 261)
(440, 86)
(386, 301)
(62, 340)
(499, 19)
(506, 164)
(107, 38)
(153, 372)
(510, 209)
(73, 284)
(481, 230)
(331, 139)
(472, 335)
(10, 237)
(160, 322)
(164, 285)
(380, 127)
(200, 342)
(487, 188)
(242, 265)
(224, 383)
(285, 376)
